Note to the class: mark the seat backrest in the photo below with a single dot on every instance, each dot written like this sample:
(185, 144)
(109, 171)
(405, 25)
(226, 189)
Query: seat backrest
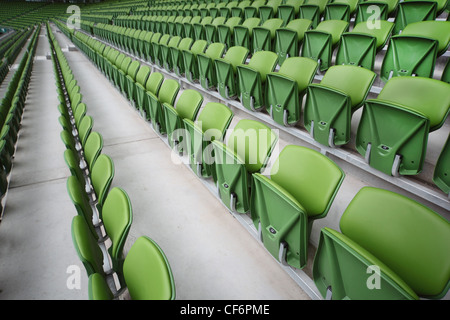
(410, 238)
(215, 50)
(433, 29)
(185, 44)
(93, 148)
(310, 177)
(218, 20)
(236, 55)
(264, 62)
(252, 141)
(250, 23)
(189, 103)
(429, 97)
(333, 27)
(101, 177)
(300, 69)
(199, 46)
(125, 64)
(299, 25)
(233, 21)
(85, 128)
(142, 75)
(174, 41)
(133, 68)
(272, 25)
(147, 272)
(117, 219)
(164, 39)
(154, 82)
(215, 116)
(168, 91)
(352, 80)
(381, 34)
(86, 246)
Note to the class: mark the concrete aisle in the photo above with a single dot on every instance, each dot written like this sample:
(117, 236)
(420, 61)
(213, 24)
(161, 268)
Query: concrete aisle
(37, 249)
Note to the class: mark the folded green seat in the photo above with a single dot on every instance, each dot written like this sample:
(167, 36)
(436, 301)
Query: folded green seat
(225, 32)
(147, 275)
(393, 130)
(313, 10)
(360, 46)
(205, 61)
(301, 189)
(211, 34)
(410, 11)
(289, 10)
(330, 104)
(320, 42)
(247, 151)
(226, 73)
(415, 50)
(441, 175)
(146, 91)
(190, 59)
(252, 79)
(243, 34)
(389, 247)
(187, 107)
(340, 10)
(269, 10)
(289, 39)
(286, 88)
(211, 124)
(264, 35)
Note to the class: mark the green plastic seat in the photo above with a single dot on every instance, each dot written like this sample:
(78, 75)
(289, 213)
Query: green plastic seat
(87, 247)
(441, 174)
(269, 10)
(264, 35)
(410, 11)
(121, 73)
(139, 86)
(247, 151)
(252, 11)
(101, 178)
(171, 26)
(80, 200)
(177, 55)
(189, 29)
(211, 34)
(420, 105)
(153, 43)
(446, 72)
(130, 79)
(360, 46)
(302, 186)
(289, 10)
(92, 149)
(252, 78)
(163, 41)
(415, 50)
(167, 94)
(85, 129)
(238, 11)
(226, 71)
(390, 247)
(190, 59)
(226, 11)
(98, 288)
(205, 61)
(289, 39)
(340, 10)
(313, 10)
(286, 88)
(331, 103)
(147, 275)
(199, 27)
(211, 124)
(243, 34)
(179, 27)
(117, 216)
(151, 89)
(187, 107)
(366, 11)
(166, 57)
(225, 32)
(320, 42)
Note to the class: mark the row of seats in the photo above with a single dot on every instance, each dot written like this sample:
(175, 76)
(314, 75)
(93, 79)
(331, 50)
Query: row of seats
(287, 10)
(11, 48)
(104, 214)
(11, 109)
(302, 185)
(396, 150)
(414, 52)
